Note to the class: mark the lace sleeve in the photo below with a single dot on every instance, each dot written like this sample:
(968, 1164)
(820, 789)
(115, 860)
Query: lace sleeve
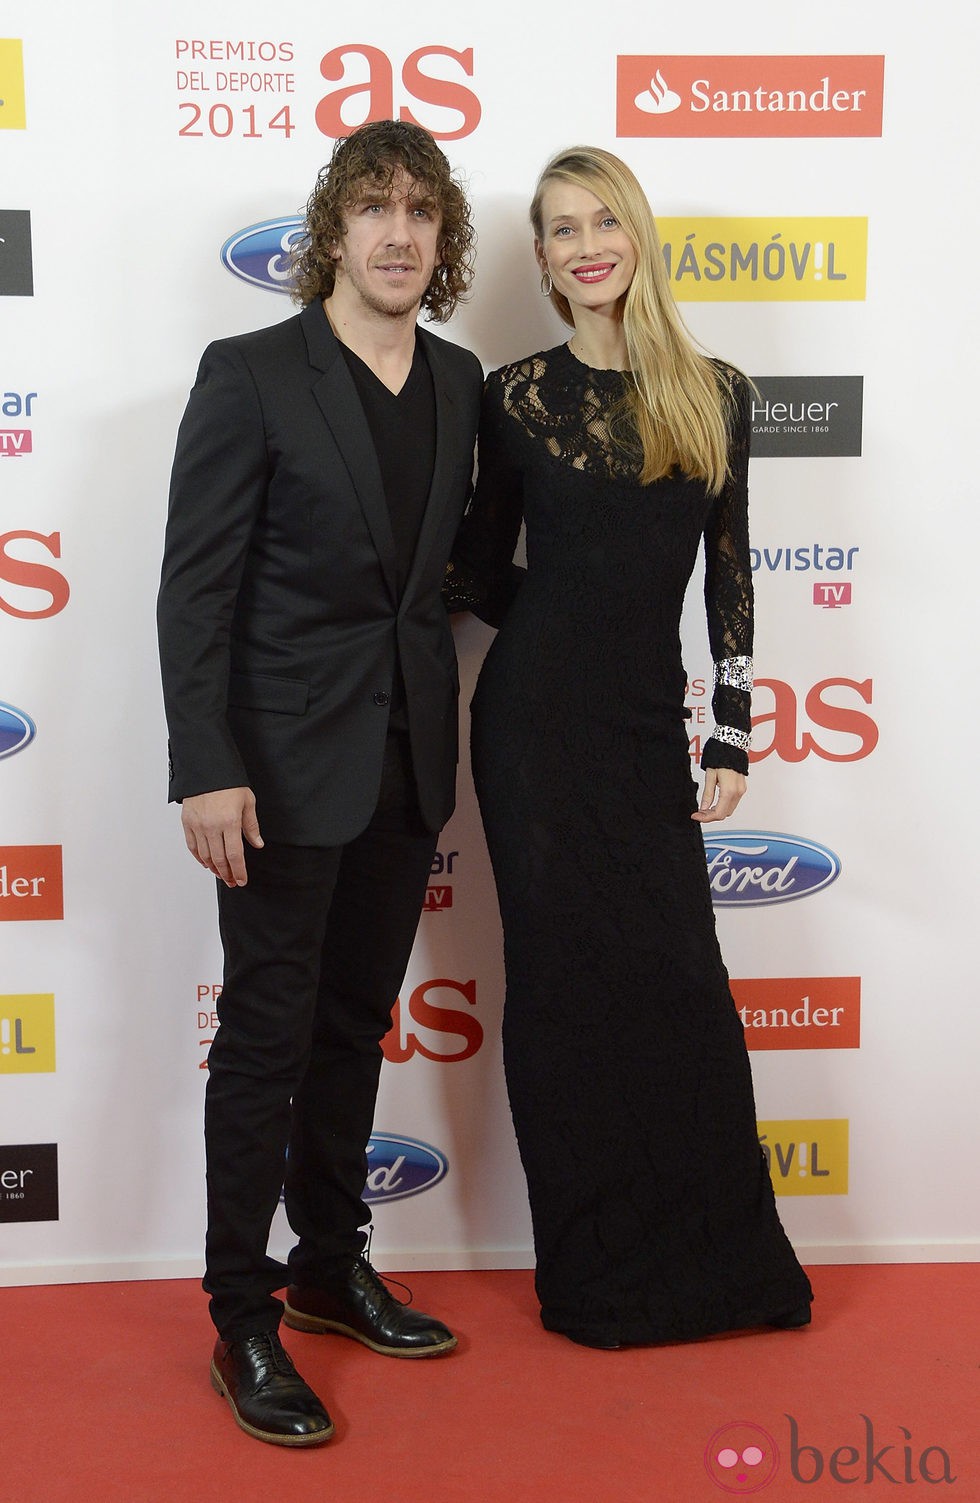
(728, 594)
(481, 575)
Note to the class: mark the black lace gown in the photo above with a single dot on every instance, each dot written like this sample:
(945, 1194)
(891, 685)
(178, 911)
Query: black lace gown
(629, 1082)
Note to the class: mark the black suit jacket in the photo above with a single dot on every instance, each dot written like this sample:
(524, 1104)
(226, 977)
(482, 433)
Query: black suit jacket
(279, 623)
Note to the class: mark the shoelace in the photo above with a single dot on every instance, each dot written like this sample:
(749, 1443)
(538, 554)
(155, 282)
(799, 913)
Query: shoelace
(275, 1357)
(382, 1281)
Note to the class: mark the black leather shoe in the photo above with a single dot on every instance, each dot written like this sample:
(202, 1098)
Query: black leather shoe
(361, 1306)
(267, 1395)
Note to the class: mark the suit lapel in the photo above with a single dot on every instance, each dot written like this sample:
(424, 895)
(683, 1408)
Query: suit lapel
(337, 397)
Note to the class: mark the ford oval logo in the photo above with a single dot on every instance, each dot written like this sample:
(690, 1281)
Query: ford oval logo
(260, 253)
(17, 730)
(399, 1167)
(747, 867)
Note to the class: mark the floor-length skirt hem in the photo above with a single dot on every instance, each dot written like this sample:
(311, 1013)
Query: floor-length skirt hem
(639, 1330)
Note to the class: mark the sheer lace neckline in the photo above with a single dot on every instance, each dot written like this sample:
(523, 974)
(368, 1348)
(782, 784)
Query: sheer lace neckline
(561, 402)
(594, 370)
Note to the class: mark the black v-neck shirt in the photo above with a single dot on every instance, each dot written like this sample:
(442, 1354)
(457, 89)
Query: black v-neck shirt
(403, 428)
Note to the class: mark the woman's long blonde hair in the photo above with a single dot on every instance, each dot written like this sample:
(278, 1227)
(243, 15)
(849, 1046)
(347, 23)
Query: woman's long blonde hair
(678, 406)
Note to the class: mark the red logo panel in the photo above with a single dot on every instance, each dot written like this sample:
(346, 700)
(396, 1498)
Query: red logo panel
(749, 96)
(800, 1012)
(31, 883)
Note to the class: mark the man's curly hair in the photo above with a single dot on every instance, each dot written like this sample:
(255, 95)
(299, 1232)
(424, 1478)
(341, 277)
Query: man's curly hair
(371, 156)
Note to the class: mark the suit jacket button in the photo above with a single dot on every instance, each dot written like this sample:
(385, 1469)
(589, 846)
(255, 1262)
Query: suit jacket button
(381, 698)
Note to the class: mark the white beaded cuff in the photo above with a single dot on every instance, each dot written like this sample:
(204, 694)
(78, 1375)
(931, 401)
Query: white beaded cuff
(734, 673)
(731, 737)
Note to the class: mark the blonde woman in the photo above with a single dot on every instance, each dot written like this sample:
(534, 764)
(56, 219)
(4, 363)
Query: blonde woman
(623, 451)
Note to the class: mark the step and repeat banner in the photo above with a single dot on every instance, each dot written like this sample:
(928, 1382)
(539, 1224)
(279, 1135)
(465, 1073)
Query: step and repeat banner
(804, 171)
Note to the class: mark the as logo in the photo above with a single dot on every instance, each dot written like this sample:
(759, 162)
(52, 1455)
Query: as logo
(430, 78)
(445, 1034)
(838, 731)
(29, 587)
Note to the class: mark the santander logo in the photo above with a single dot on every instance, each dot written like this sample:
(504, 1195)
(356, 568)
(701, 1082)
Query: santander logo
(658, 98)
(749, 96)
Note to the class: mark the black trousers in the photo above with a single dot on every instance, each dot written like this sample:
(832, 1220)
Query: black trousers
(316, 947)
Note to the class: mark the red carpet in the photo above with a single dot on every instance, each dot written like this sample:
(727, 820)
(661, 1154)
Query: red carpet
(106, 1399)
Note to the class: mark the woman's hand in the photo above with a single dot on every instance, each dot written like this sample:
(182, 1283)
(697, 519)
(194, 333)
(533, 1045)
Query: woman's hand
(723, 789)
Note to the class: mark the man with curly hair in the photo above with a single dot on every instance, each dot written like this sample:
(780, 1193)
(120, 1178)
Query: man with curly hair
(310, 684)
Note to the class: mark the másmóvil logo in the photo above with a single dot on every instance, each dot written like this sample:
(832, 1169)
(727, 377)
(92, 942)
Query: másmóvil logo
(750, 867)
(802, 258)
(399, 1167)
(259, 254)
(27, 1034)
(12, 110)
(807, 1156)
(17, 730)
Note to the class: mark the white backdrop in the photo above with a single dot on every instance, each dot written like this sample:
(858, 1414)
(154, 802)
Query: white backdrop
(105, 1013)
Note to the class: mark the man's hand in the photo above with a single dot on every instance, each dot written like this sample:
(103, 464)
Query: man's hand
(214, 824)
(722, 791)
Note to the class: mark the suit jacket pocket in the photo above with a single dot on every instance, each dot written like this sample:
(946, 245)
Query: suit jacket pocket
(261, 691)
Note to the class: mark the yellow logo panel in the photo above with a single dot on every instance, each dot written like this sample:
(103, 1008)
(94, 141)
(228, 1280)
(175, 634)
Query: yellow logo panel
(808, 1157)
(27, 1034)
(766, 260)
(13, 114)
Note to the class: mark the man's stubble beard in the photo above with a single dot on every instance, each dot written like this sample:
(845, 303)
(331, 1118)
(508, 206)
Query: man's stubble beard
(387, 307)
